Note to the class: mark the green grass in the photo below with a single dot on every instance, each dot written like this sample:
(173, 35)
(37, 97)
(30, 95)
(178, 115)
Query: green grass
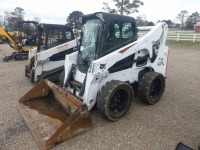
(184, 43)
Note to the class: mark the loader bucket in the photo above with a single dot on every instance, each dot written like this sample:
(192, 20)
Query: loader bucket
(52, 114)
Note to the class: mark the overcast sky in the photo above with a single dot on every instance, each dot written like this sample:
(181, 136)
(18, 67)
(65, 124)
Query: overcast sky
(51, 11)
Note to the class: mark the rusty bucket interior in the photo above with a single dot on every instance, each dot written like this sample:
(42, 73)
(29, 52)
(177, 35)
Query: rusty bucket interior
(52, 114)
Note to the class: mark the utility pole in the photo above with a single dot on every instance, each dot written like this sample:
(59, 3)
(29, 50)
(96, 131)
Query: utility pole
(121, 12)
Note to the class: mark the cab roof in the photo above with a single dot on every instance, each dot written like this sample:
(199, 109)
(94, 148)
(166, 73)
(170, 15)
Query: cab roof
(105, 17)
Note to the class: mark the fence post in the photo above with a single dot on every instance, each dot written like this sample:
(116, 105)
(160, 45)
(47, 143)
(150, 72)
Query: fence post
(177, 37)
(194, 37)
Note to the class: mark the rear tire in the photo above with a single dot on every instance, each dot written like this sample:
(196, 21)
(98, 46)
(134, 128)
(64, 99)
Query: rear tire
(114, 99)
(151, 87)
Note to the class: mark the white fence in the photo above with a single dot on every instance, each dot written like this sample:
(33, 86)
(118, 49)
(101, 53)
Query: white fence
(179, 36)
(184, 37)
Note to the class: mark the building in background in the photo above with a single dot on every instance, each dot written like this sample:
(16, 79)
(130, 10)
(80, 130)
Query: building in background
(197, 27)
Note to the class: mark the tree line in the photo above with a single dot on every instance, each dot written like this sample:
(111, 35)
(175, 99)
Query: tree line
(10, 21)
(11, 18)
(128, 7)
(124, 7)
(188, 21)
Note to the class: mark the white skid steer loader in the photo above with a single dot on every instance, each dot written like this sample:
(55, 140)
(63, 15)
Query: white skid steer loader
(109, 63)
(47, 60)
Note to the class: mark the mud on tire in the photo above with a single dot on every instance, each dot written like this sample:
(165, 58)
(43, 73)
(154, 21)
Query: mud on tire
(151, 87)
(115, 99)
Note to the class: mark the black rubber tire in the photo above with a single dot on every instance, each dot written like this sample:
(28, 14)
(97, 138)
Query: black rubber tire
(115, 95)
(151, 87)
(26, 71)
(32, 75)
(61, 78)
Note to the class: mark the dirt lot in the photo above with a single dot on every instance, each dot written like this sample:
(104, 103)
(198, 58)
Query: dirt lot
(175, 118)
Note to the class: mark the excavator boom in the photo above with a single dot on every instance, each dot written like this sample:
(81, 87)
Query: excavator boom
(8, 38)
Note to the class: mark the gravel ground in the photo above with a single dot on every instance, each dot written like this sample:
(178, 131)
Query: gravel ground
(159, 127)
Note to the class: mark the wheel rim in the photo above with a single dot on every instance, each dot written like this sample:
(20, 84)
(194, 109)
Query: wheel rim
(119, 101)
(155, 88)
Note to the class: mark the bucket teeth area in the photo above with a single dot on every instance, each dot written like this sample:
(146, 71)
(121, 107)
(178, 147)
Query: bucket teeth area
(52, 114)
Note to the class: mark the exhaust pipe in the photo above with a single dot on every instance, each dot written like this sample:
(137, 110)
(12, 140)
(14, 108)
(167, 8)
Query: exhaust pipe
(53, 115)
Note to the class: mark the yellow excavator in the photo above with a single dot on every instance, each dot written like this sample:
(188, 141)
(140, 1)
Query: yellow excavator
(19, 41)
(4, 35)
(15, 34)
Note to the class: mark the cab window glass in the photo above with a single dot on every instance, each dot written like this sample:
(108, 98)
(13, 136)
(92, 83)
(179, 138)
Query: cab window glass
(119, 34)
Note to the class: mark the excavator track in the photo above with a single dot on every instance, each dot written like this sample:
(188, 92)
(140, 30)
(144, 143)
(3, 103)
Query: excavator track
(20, 56)
(8, 58)
(16, 56)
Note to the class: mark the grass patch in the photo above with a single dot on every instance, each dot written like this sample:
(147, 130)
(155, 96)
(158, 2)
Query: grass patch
(183, 43)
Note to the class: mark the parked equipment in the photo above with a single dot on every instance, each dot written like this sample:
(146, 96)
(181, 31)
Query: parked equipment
(15, 34)
(47, 60)
(22, 43)
(110, 61)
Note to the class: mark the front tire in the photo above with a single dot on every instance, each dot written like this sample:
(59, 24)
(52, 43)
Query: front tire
(114, 99)
(151, 87)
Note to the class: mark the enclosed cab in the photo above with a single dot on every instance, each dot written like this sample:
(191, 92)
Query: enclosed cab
(102, 34)
(47, 60)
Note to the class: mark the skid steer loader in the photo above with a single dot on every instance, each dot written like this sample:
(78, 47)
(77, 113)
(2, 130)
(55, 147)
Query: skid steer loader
(47, 60)
(110, 61)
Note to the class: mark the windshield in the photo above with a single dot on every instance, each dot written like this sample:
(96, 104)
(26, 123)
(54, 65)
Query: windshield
(89, 41)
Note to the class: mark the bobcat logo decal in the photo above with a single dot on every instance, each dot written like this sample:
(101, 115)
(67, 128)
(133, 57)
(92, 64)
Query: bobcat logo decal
(102, 66)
